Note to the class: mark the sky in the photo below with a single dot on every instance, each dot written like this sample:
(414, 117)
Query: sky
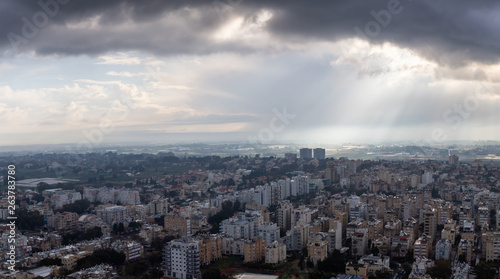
(94, 72)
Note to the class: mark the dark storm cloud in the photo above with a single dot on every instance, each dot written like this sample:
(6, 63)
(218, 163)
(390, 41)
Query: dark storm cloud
(443, 30)
(451, 32)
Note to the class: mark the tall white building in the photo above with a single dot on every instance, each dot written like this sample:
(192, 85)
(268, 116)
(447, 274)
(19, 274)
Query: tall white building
(284, 186)
(59, 197)
(262, 195)
(114, 215)
(243, 225)
(269, 233)
(498, 219)
(285, 215)
(302, 215)
(181, 259)
(109, 195)
(275, 253)
(296, 238)
(427, 178)
(302, 184)
(443, 249)
(335, 237)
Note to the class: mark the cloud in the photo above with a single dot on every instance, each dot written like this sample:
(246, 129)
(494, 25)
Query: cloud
(120, 74)
(119, 59)
(159, 67)
(447, 32)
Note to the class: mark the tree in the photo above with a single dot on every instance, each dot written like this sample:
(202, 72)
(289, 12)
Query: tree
(334, 263)
(493, 220)
(79, 206)
(136, 269)
(441, 269)
(134, 225)
(484, 270)
(214, 273)
(302, 263)
(407, 268)
(160, 221)
(237, 205)
(462, 258)
(100, 256)
(155, 273)
(309, 263)
(316, 274)
(91, 233)
(211, 273)
(383, 274)
(226, 212)
(29, 220)
(121, 228)
(50, 261)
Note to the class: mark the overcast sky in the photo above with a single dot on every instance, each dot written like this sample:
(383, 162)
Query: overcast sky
(306, 71)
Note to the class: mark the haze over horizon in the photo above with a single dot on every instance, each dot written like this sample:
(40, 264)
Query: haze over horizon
(284, 71)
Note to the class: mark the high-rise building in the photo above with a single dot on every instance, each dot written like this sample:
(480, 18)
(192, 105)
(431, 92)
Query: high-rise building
(360, 241)
(275, 253)
(400, 245)
(306, 153)
(242, 225)
(443, 249)
(444, 212)
(483, 216)
(299, 185)
(181, 259)
(59, 197)
(427, 178)
(491, 245)
(375, 229)
(430, 222)
(114, 214)
(133, 250)
(317, 250)
(285, 215)
(465, 248)
(296, 238)
(335, 236)
(414, 180)
(497, 216)
(449, 234)
(158, 206)
(453, 160)
(422, 247)
(269, 233)
(253, 250)
(210, 248)
(302, 215)
(319, 153)
(177, 225)
(330, 171)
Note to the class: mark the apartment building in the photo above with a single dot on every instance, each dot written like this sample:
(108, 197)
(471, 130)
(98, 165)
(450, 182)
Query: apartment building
(210, 248)
(422, 247)
(317, 250)
(253, 250)
(181, 259)
(177, 225)
(275, 253)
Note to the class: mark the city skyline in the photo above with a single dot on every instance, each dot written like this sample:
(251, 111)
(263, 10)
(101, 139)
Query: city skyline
(98, 72)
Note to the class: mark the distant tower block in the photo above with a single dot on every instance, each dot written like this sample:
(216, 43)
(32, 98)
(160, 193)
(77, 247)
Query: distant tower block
(319, 153)
(306, 153)
(453, 160)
